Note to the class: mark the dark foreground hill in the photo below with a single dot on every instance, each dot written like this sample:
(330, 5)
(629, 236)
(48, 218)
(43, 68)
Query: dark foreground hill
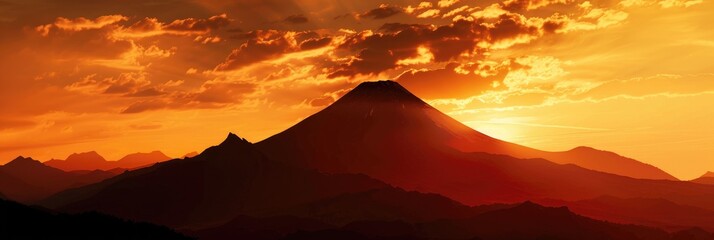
(523, 221)
(18, 221)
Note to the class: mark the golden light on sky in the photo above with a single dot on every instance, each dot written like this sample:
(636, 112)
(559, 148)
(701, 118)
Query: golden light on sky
(634, 77)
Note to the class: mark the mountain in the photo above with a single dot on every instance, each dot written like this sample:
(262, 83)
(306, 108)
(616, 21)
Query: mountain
(707, 178)
(221, 183)
(383, 113)
(336, 167)
(532, 221)
(524, 221)
(381, 130)
(599, 160)
(190, 155)
(92, 161)
(658, 213)
(376, 214)
(27, 180)
(22, 222)
(80, 161)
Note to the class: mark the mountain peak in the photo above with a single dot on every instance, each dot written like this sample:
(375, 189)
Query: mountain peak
(23, 161)
(233, 139)
(86, 157)
(383, 90)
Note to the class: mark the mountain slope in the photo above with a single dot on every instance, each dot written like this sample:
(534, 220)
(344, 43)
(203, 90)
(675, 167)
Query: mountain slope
(642, 211)
(22, 222)
(141, 159)
(524, 221)
(381, 130)
(30, 180)
(222, 182)
(707, 178)
(79, 161)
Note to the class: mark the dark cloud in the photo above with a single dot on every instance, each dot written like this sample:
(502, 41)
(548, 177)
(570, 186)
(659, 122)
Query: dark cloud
(211, 94)
(381, 12)
(269, 44)
(521, 5)
(199, 25)
(315, 43)
(263, 46)
(378, 52)
(149, 92)
(296, 19)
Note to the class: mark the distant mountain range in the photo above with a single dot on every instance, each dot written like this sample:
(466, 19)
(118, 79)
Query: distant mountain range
(382, 164)
(93, 161)
(28, 180)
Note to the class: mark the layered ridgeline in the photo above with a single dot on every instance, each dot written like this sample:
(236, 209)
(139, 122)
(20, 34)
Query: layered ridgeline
(27, 180)
(93, 161)
(331, 174)
(232, 191)
(707, 178)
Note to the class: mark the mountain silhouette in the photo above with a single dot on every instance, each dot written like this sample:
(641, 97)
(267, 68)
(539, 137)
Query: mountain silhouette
(224, 181)
(381, 130)
(93, 161)
(378, 114)
(425, 216)
(336, 168)
(79, 161)
(28, 180)
(707, 178)
(642, 211)
(524, 221)
(22, 222)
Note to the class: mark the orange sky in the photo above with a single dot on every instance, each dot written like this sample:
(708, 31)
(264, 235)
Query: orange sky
(633, 76)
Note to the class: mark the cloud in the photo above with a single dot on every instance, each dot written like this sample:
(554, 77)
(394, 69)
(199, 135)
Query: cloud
(271, 44)
(382, 12)
(296, 19)
(455, 80)
(79, 24)
(431, 13)
(378, 52)
(519, 5)
(446, 3)
(125, 83)
(143, 106)
(198, 25)
(148, 27)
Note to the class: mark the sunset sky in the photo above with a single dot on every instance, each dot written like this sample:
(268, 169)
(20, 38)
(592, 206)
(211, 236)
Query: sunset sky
(633, 76)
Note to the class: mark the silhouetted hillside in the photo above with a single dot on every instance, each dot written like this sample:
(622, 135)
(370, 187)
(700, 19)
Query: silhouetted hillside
(384, 119)
(27, 180)
(643, 211)
(381, 130)
(224, 181)
(22, 222)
